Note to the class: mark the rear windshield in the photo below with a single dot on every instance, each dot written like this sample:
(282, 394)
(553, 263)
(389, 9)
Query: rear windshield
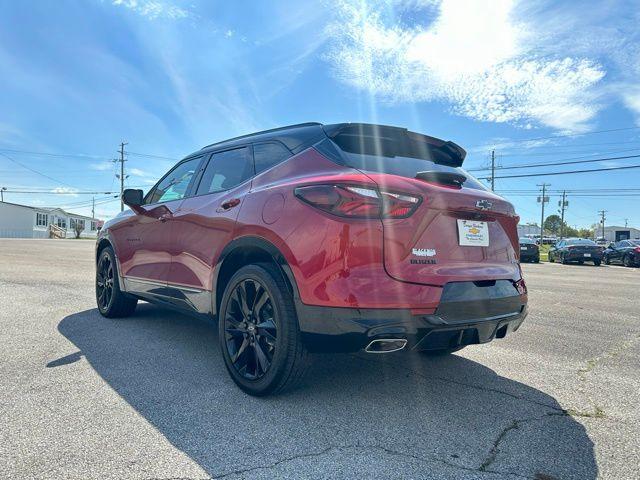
(580, 241)
(527, 240)
(404, 166)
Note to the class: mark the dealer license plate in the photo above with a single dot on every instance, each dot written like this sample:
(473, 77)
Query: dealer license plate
(472, 233)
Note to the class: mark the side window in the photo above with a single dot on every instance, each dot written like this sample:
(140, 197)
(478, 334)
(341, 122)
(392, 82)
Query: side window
(266, 155)
(623, 244)
(226, 170)
(174, 185)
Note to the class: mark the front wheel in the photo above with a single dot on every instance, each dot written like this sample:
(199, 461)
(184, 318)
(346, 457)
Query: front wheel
(564, 260)
(596, 263)
(112, 302)
(551, 259)
(606, 260)
(258, 332)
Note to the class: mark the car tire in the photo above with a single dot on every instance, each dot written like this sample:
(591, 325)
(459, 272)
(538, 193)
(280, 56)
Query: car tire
(441, 352)
(596, 263)
(536, 260)
(267, 359)
(606, 260)
(112, 302)
(627, 262)
(551, 258)
(563, 260)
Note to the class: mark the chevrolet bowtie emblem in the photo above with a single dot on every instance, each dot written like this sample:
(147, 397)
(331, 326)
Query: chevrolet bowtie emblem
(484, 204)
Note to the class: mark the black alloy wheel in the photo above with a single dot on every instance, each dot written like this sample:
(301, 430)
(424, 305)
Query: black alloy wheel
(250, 330)
(627, 261)
(104, 282)
(112, 302)
(258, 331)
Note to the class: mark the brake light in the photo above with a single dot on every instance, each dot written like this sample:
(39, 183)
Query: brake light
(358, 201)
(637, 249)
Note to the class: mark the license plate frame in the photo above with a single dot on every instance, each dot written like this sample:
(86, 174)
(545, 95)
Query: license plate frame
(473, 233)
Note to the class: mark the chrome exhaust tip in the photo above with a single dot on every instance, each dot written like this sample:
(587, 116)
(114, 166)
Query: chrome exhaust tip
(386, 345)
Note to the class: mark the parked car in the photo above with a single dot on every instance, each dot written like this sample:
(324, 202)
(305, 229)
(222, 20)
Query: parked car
(626, 252)
(319, 238)
(578, 250)
(529, 250)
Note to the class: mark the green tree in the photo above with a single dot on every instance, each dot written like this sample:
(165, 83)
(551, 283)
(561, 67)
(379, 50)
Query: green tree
(553, 224)
(585, 233)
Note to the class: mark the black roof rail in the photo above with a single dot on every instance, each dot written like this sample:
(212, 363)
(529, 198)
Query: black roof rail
(272, 130)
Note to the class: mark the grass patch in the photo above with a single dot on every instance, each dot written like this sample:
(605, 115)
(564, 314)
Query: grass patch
(544, 253)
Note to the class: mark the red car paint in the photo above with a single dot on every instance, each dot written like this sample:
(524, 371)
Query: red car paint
(336, 262)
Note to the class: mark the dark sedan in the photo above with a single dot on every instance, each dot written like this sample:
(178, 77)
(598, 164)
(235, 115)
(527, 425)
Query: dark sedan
(529, 250)
(578, 250)
(626, 252)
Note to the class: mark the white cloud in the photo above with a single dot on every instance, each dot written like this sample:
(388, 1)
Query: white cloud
(475, 56)
(153, 9)
(71, 192)
(102, 166)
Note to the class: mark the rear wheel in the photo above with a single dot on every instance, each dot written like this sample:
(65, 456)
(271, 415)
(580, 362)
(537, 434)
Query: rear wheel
(606, 260)
(564, 260)
(551, 258)
(596, 263)
(112, 302)
(258, 332)
(627, 261)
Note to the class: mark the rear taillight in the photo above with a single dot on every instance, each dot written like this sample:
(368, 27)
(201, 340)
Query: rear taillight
(637, 249)
(355, 201)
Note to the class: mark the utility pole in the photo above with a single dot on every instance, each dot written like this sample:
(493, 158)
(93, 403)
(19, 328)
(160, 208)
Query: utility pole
(563, 205)
(626, 222)
(493, 170)
(93, 207)
(121, 176)
(543, 200)
(2, 193)
(602, 219)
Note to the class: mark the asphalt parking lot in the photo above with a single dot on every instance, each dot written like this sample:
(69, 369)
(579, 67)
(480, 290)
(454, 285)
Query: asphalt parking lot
(148, 397)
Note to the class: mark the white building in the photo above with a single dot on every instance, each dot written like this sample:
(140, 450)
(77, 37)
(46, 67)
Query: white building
(528, 229)
(615, 234)
(22, 221)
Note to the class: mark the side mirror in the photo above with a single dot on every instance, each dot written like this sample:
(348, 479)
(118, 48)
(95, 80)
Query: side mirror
(132, 197)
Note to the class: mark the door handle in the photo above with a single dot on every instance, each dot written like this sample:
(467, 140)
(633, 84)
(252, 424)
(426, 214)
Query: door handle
(229, 204)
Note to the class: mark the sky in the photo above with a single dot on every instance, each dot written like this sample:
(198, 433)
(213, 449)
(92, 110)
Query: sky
(551, 82)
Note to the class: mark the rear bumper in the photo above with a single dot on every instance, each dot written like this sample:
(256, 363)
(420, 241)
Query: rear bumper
(456, 323)
(574, 257)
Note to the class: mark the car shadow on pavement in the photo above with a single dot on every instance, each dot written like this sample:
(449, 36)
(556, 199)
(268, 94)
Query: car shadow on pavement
(354, 415)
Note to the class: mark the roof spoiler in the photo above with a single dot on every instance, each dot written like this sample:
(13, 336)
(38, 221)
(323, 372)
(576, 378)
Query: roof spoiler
(371, 139)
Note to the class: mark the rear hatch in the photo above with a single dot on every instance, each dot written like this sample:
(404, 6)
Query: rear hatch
(585, 250)
(460, 231)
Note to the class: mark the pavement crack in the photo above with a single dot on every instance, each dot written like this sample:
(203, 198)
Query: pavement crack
(470, 385)
(592, 363)
(380, 448)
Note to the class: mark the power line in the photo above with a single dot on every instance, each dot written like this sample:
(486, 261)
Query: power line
(524, 140)
(569, 172)
(149, 155)
(586, 154)
(35, 171)
(552, 164)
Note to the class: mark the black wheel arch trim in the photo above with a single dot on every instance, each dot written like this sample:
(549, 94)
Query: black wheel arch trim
(251, 241)
(103, 238)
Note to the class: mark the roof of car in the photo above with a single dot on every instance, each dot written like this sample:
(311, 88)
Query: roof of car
(302, 135)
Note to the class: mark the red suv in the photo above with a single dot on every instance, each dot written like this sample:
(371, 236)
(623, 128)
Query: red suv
(319, 238)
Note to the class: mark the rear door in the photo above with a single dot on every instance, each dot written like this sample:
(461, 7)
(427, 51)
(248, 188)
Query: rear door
(205, 222)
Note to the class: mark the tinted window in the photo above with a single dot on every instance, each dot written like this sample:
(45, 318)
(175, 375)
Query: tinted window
(580, 241)
(174, 185)
(623, 244)
(405, 166)
(527, 240)
(266, 155)
(226, 170)
(635, 243)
